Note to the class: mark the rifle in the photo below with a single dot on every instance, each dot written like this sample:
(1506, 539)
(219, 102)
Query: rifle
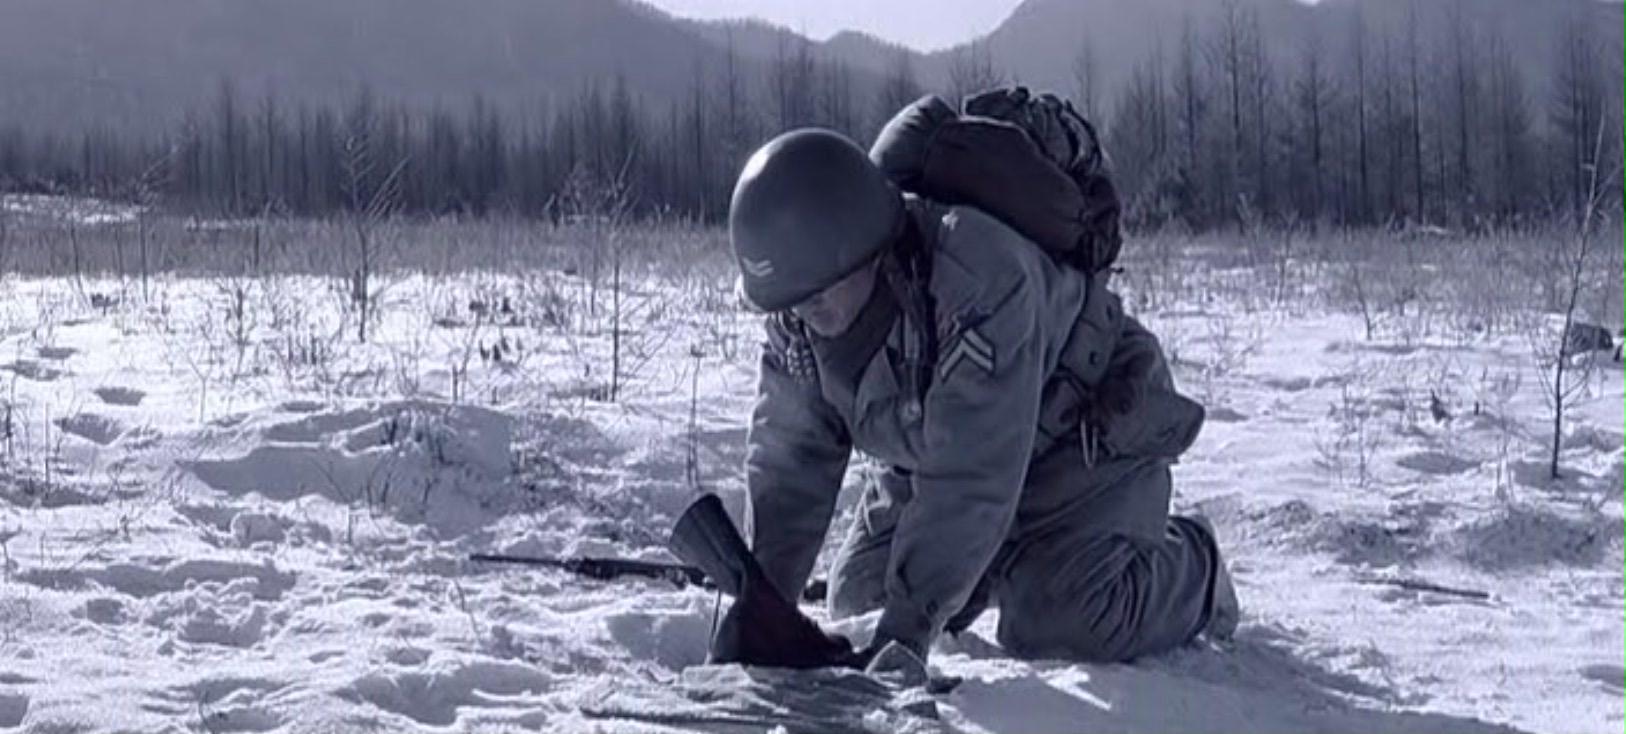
(610, 569)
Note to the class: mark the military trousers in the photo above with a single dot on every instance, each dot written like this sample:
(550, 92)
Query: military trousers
(1094, 568)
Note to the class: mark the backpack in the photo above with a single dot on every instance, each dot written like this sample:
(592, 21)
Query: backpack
(1031, 162)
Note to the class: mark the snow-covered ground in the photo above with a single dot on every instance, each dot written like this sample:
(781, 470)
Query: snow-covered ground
(219, 512)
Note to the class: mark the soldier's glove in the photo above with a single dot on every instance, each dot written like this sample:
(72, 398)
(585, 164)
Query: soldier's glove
(761, 628)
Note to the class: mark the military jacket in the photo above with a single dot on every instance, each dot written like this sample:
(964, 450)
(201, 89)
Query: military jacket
(1023, 342)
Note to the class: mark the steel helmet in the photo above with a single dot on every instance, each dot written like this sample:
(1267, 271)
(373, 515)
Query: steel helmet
(809, 209)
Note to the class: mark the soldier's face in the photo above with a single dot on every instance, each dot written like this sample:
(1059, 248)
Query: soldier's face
(830, 312)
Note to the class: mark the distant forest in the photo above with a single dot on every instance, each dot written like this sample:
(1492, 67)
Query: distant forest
(1372, 126)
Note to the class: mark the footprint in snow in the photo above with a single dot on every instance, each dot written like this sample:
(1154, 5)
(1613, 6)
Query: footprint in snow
(433, 697)
(1437, 463)
(30, 370)
(227, 704)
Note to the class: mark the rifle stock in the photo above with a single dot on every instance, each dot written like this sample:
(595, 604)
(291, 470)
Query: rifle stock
(761, 626)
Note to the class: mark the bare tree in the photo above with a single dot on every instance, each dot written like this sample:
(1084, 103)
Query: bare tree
(1508, 124)
(899, 88)
(737, 131)
(1261, 91)
(229, 126)
(1086, 80)
(1389, 138)
(148, 187)
(1413, 56)
(1465, 84)
(1577, 97)
(1137, 144)
(836, 98)
(5, 237)
(1312, 92)
(372, 194)
(790, 78)
(699, 135)
(1191, 96)
(972, 70)
(1562, 388)
(1362, 209)
(1227, 53)
(270, 137)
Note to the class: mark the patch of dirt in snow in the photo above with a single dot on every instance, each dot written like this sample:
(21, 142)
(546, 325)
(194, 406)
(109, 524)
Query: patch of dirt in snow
(1436, 462)
(98, 429)
(13, 709)
(1524, 536)
(125, 396)
(1611, 677)
(29, 369)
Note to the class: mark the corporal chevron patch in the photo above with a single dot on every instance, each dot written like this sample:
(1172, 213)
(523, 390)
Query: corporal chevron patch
(971, 347)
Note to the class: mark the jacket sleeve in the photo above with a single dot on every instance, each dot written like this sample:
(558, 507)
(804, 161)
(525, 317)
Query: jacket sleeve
(980, 422)
(796, 454)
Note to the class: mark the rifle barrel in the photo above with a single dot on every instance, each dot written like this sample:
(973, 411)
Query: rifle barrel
(609, 569)
(606, 568)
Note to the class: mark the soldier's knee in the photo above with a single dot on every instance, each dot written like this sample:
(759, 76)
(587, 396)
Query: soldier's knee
(1093, 630)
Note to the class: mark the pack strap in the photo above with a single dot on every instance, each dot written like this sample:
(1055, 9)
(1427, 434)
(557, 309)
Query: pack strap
(908, 272)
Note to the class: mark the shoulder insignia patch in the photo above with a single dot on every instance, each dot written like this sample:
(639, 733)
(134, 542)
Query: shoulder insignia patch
(969, 346)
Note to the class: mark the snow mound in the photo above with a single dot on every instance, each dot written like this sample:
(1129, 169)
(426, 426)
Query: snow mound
(446, 465)
(434, 695)
(732, 698)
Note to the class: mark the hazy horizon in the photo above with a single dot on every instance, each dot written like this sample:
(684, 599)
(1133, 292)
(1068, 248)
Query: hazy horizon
(923, 25)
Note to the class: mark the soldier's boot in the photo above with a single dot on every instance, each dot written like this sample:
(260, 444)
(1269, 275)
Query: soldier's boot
(1224, 611)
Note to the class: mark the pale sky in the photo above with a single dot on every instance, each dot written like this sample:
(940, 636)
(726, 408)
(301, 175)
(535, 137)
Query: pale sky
(921, 24)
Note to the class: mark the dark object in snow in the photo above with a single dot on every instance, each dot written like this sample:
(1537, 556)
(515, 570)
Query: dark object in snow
(760, 627)
(1436, 408)
(1584, 337)
(1411, 584)
(611, 569)
(607, 569)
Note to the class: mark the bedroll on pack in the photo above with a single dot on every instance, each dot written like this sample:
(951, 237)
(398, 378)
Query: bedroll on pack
(1030, 161)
